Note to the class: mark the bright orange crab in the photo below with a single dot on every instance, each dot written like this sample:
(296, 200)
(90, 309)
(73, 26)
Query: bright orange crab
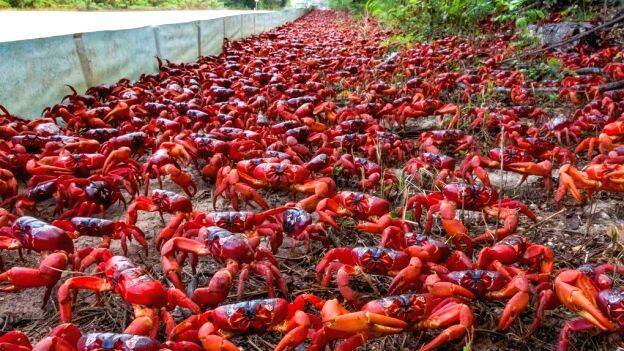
(590, 293)
(595, 177)
(393, 315)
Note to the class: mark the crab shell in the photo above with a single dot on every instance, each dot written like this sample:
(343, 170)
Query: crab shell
(509, 155)
(113, 341)
(98, 189)
(611, 302)
(40, 236)
(470, 196)
(278, 174)
(81, 162)
(250, 316)
(363, 205)
(169, 201)
(442, 252)
(93, 226)
(479, 281)
(208, 146)
(224, 244)
(410, 308)
(438, 161)
(133, 284)
(295, 221)
(235, 221)
(378, 260)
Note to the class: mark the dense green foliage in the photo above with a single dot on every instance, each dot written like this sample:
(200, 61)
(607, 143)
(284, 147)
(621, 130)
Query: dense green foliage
(418, 19)
(140, 4)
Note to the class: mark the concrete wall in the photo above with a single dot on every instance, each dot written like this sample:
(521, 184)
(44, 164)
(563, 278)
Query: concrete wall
(35, 73)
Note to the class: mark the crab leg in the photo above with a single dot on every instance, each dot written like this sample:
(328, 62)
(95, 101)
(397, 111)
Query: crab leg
(458, 316)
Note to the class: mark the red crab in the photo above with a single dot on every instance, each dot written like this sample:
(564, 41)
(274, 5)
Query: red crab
(213, 328)
(86, 196)
(591, 295)
(297, 223)
(432, 140)
(80, 164)
(137, 142)
(64, 337)
(164, 161)
(595, 177)
(161, 201)
(417, 311)
(367, 260)
(339, 323)
(559, 126)
(351, 204)
(431, 163)
(477, 283)
(149, 298)
(55, 246)
(106, 229)
(370, 173)
(471, 197)
(129, 342)
(612, 135)
(251, 174)
(235, 250)
(517, 250)
(511, 159)
(264, 224)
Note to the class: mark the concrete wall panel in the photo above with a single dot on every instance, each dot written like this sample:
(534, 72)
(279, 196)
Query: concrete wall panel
(233, 27)
(248, 24)
(211, 40)
(178, 42)
(33, 73)
(113, 55)
(261, 25)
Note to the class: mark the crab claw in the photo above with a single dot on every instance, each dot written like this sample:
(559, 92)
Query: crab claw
(184, 180)
(15, 340)
(445, 289)
(212, 342)
(453, 227)
(576, 291)
(407, 278)
(123, 154)
(335, 318)
(570, 180)
(517, 304)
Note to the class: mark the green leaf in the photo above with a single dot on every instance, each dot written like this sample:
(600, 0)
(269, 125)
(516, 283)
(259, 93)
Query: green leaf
(522, 22)
(338, 170)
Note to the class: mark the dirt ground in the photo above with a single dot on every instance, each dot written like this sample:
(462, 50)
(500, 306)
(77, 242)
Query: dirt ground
(578, 233)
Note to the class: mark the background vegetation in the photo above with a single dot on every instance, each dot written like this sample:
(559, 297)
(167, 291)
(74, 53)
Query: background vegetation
(419, 19)
(139, 4)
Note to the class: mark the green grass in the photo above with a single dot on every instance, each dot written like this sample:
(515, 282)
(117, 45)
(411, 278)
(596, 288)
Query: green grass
(426, 19)
(138, 4)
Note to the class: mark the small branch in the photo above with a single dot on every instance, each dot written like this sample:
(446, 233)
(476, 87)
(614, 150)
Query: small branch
(589, 70)
(542, 90)
(549, 90)
(537, 224)
(611, 86)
